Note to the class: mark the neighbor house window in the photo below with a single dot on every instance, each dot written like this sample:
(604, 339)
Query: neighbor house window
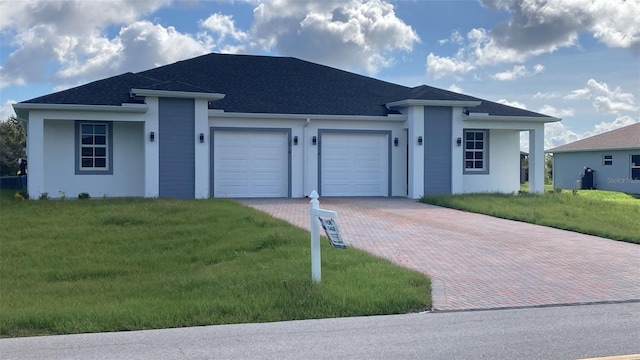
(607, 160)
(635, 167)
(94, 147)
(476, 151)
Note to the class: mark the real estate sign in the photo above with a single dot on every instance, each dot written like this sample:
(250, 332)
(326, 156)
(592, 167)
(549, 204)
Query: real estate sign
(333, 233)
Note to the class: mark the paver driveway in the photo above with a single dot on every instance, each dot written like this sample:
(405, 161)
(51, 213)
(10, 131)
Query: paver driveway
(477, 261)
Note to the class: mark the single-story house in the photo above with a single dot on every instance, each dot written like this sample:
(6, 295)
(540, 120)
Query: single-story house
(611, 161)
(223, 125)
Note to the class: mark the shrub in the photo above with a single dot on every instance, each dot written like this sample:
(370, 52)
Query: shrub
(44, 196)
(84, 196)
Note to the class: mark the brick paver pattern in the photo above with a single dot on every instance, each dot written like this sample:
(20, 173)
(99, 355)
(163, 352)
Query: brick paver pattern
(477, 261)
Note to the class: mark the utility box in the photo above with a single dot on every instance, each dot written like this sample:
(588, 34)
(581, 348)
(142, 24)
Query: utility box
(588, 179)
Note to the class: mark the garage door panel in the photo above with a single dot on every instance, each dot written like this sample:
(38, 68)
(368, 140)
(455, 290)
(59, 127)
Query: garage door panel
(354, 164)
(250, 164)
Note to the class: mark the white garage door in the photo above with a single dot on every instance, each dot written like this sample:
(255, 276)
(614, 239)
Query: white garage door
(250, 164)
(354, 164)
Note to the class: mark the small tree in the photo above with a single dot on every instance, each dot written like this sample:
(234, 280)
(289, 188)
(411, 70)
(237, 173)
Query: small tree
(12, 144)
(548, 169)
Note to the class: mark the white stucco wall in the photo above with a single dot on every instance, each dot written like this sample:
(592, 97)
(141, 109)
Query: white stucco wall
(457, 153)
(201, 149)
(504, 165)
(304, 163)
(59, 162)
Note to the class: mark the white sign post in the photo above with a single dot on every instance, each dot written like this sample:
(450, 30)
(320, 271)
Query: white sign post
(314, 213)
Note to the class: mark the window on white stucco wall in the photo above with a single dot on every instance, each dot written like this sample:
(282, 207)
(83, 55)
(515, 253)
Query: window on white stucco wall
(476, 145)
(94, 148)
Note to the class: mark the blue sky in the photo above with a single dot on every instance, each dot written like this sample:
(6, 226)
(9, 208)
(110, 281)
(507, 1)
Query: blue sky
(574, 59)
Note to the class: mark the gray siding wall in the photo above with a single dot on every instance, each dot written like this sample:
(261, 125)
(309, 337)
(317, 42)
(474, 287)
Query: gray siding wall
(437, 150)
(177, 148)
(567, 168)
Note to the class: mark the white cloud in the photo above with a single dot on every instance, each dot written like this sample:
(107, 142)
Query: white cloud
(6, 110)
(73, 17)
(542, 26)
(439, 66)
(578, 94)
(66, 40)
(518, 71)
(558, 113)
(512, 103)
(556, 134)
(546, 95)
(139, 46)
(350, 34)
(455, 88)
(455, 38)
(604, 99)
(604, 126)
(224, 26)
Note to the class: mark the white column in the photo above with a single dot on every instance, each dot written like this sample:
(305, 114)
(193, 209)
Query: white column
(202, 171)
(35, 155)
(457, 166)
(416, 152)
(536, 159)
(151, 150)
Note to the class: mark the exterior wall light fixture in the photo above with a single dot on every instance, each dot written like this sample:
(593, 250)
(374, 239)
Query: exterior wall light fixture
(314, 140)
(459, 141)
(201, 138)
(420, 140)
(152, 136)
(295, 140)
(395, 142)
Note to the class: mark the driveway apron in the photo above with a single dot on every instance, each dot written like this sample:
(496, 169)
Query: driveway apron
(477, 261)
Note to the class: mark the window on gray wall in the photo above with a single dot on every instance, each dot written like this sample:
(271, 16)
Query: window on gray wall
(635, 167)
(94, 148)
(607, 160)
(475, 151)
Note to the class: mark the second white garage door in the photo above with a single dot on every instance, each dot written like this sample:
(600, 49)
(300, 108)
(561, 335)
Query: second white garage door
(250, 164)
(354, 164)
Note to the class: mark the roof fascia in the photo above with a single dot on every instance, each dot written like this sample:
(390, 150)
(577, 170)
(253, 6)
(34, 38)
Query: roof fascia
(390, 117)
(487, 117)
(128, 108)
(421, 102)
(177, 94)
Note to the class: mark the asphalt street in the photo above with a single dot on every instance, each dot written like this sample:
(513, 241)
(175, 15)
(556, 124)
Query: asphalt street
(563, 332)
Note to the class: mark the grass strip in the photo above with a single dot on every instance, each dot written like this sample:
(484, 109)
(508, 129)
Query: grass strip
(609, 214)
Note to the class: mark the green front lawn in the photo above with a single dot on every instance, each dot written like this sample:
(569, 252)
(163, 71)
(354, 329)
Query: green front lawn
(608, 214)
(78, 266)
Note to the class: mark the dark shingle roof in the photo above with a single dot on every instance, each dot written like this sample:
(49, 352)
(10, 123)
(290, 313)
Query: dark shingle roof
(174, 86)
(267, 84)
(497, 109)
(110, 91)
(627, 137)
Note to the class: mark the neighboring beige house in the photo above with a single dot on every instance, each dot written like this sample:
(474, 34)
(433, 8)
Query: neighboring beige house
(613, 158)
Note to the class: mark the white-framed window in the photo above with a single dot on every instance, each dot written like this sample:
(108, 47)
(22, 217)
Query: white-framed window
(635, 167)
(94, 147)
(476, 145)
(607, 160)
